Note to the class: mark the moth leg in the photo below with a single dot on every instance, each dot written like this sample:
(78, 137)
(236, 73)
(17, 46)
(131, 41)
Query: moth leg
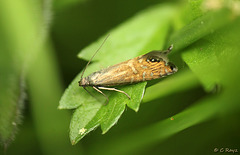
(101, 93)
(120, 91)
(87, 91)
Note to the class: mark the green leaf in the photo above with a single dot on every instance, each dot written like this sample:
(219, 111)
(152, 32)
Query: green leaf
(84, 118)
(91, 115)
(207, 57)
(202, 59)
(136, 141)
(12, 98)
(196, 9)
(51, 124)
(125, 42)
(202, 26)
(65, 4)
(74, 95)
(19, 40)
(112, 113)
(178, 82)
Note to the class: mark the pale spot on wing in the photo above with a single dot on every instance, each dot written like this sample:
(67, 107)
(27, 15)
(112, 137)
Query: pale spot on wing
(151, 74)
(132, 67)
(132, 79)
(144, 67)
(166, 70)
(144, 74)
(161, 73)
(134, 70)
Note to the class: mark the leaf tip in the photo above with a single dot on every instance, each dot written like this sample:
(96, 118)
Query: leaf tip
(135, 109)
(105, 130)
(80, 55)
(60, 107)
(73, 142)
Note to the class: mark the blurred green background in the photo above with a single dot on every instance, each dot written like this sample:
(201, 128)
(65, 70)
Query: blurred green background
(39, 44)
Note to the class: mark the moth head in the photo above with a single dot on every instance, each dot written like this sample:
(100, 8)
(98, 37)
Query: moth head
(84, 82)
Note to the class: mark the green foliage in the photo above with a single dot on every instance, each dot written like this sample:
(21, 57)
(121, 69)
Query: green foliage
(180, 82)
(206, 45)
(14, 57)
(199, 104)
(25, 58)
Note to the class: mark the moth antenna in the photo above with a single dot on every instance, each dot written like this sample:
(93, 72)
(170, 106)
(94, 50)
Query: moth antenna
(94, 55)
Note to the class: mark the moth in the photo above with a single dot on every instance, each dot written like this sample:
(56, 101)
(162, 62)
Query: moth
(150, 66)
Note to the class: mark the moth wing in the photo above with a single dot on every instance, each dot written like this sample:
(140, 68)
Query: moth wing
(119, 74)
(132, 71)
